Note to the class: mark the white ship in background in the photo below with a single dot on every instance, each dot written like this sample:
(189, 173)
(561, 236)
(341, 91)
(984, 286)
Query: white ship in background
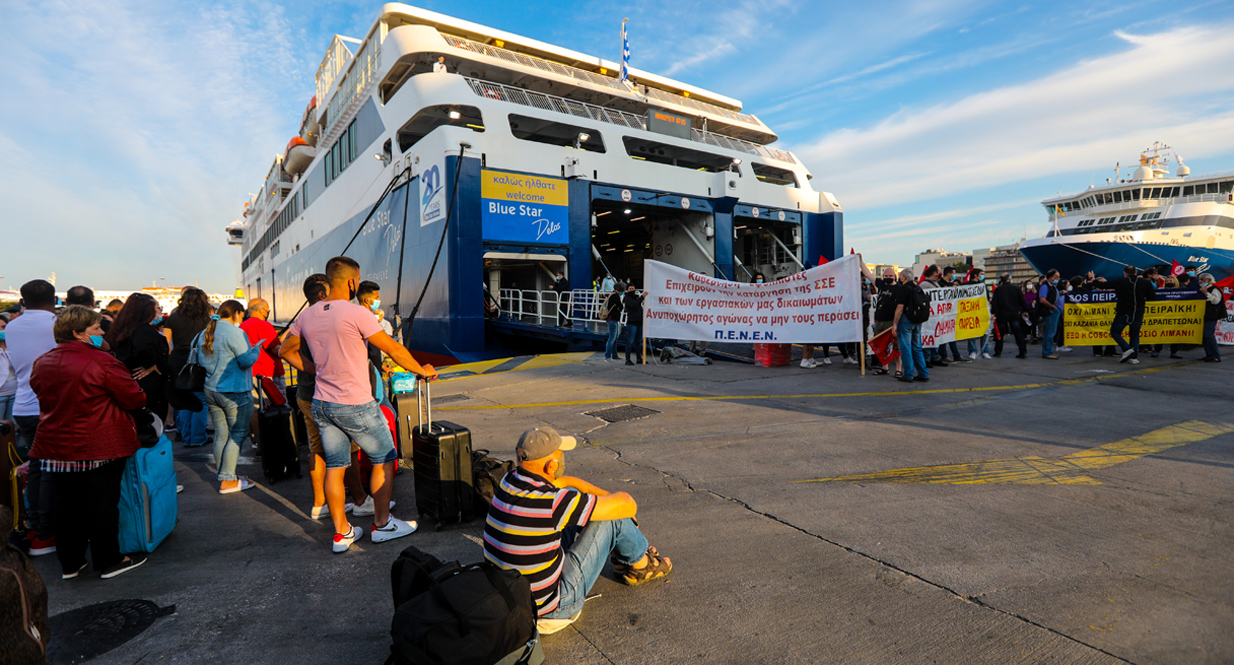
(1149, 219)
(526, 158)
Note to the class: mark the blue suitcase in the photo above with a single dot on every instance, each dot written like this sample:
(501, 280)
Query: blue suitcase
(148, 498)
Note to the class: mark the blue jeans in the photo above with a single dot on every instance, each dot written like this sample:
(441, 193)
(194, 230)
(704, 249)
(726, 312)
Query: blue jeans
(1210, 340)
(6, 407)
(1127, 321)
(610, 346)
(192, 424)
(340, 424)
(231, 413)
(631, 332)
(911, 354)
(1049, 323)
(586, 551)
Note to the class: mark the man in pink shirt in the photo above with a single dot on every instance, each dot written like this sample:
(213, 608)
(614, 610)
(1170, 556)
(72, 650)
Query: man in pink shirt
(343, 406)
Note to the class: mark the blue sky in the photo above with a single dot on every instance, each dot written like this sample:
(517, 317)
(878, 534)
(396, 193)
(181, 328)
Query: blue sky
(131, 132)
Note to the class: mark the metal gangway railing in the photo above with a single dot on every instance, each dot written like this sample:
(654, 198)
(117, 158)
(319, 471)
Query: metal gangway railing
(583, 309)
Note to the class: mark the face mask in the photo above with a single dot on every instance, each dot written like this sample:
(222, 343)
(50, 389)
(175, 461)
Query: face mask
(157, 320)
(1191, 273)
(759, 280)
(1, 335)
(1054, 281)
(96, 341)
(375, 306)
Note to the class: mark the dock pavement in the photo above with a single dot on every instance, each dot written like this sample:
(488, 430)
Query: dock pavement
(1008, 511)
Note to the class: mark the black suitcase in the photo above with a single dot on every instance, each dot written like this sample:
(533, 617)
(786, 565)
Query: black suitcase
(299, 431)
(279, 457)
(441, 461)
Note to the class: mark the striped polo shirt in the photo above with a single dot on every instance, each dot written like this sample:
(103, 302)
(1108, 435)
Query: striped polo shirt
(523, 530)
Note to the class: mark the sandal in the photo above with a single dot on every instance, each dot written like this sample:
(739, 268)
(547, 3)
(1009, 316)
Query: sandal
(880, 371)
(657, 567)
(899, 374)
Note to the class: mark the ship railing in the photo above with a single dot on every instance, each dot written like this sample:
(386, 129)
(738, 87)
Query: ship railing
(351, 91)
(583, 308)
(1144, 204)
(598, 79)
(546, 102)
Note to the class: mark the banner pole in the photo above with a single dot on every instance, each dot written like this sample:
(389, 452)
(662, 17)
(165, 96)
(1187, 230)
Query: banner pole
(862, 346)
(644, 349)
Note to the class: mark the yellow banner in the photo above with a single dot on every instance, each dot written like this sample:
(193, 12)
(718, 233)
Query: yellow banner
(516, 187)
(1165, 322)
(972, 319)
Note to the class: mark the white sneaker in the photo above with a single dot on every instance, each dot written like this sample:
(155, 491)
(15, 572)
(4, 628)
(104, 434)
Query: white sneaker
(550, 626)
(342, 542)
(826, 361)
(972, 356)
(986, 356)
(1133, 361)
(367, 508)
(850, 361)
(395, 528)
(1064, 349)
(808, 363)
(318, 512)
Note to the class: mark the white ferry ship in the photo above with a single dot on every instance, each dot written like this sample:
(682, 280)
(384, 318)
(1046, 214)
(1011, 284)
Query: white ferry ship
(1149, 219)
(527, 158)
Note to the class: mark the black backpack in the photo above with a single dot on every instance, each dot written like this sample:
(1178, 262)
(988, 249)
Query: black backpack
(487, 473)
(447, 614)
(918, 310)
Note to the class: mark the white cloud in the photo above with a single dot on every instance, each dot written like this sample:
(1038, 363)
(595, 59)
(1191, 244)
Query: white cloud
(1174, 86)
(135, 132)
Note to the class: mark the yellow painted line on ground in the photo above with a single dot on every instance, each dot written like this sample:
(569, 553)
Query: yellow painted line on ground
(1068, 470)
(530, 362)
(711, 398)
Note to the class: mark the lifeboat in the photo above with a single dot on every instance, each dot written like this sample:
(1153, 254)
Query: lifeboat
(298, 156)
(308, 122)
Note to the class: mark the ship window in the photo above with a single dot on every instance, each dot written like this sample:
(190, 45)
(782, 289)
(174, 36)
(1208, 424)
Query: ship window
(1212, 188)
(1227, 186)
(1156, 193)
(1188, 190)
(555, 133)
(1135, 194)
(666, 153)
(773, 175)
(431, 117)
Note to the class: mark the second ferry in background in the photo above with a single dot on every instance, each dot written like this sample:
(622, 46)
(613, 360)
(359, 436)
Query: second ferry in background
(518, 159)
(1149, 219)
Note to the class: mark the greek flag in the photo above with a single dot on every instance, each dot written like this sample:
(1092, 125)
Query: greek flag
(625, 52)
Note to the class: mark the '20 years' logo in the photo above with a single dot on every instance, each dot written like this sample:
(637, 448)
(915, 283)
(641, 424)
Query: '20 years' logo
(430, 203)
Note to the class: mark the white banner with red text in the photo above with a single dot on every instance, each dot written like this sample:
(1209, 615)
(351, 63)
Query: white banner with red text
(821, 304)
(1225, 327)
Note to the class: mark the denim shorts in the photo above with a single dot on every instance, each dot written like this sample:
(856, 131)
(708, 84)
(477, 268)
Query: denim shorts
(340, 424)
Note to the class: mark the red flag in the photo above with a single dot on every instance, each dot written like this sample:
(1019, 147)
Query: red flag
(822, 260)
(1177, 269)
(1226, 285)
(852, 250)
(883, 346)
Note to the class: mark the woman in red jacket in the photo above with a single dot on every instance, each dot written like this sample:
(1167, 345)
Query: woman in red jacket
(83, 440)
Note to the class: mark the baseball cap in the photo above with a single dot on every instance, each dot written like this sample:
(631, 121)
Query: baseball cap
(541, 442)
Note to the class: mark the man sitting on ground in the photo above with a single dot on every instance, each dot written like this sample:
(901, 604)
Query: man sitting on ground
(558, 531)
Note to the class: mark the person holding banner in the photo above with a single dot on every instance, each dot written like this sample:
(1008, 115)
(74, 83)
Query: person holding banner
(1050, 305)
(1214, 311)
(885, 313)
(1132, 294)
(632, 303)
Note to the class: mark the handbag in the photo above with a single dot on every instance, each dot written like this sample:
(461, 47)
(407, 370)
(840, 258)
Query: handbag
(192, 377)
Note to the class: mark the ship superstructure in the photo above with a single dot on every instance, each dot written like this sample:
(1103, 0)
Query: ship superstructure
(542, 160)
(1148, 219)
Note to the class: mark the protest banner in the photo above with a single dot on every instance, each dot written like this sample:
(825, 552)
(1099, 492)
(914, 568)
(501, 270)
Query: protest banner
(1175, 316)
(956, 313)
(1225, 327)
(821, 304)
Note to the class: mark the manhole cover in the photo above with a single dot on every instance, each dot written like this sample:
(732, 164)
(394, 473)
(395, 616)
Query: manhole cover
(619, 413)
(88, 632)
(451, 398)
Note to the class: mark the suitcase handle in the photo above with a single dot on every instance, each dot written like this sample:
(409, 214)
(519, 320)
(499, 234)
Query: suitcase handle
(424, 403)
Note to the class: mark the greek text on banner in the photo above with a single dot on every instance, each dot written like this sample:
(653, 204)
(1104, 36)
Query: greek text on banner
(1176, 317)
(821, 304)
(956, 312)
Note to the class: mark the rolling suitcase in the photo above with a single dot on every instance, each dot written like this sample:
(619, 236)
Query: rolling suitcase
(148, 503)
(299, 430)
(441, 454)
(279, 457)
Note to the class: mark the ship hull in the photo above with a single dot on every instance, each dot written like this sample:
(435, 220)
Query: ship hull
(1107, 259)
